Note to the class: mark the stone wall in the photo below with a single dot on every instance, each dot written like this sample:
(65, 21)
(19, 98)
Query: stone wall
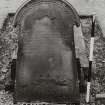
(8, 6)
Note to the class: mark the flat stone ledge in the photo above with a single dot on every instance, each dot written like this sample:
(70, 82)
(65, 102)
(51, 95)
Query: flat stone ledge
(100, 96)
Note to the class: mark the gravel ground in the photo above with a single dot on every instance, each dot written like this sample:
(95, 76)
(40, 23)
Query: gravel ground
(5, 98)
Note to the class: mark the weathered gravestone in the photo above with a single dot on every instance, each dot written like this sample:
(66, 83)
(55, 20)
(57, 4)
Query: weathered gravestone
(46, 68)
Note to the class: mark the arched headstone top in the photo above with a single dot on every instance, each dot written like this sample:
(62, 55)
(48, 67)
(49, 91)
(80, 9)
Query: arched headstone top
(46, 52)
(60, 5)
